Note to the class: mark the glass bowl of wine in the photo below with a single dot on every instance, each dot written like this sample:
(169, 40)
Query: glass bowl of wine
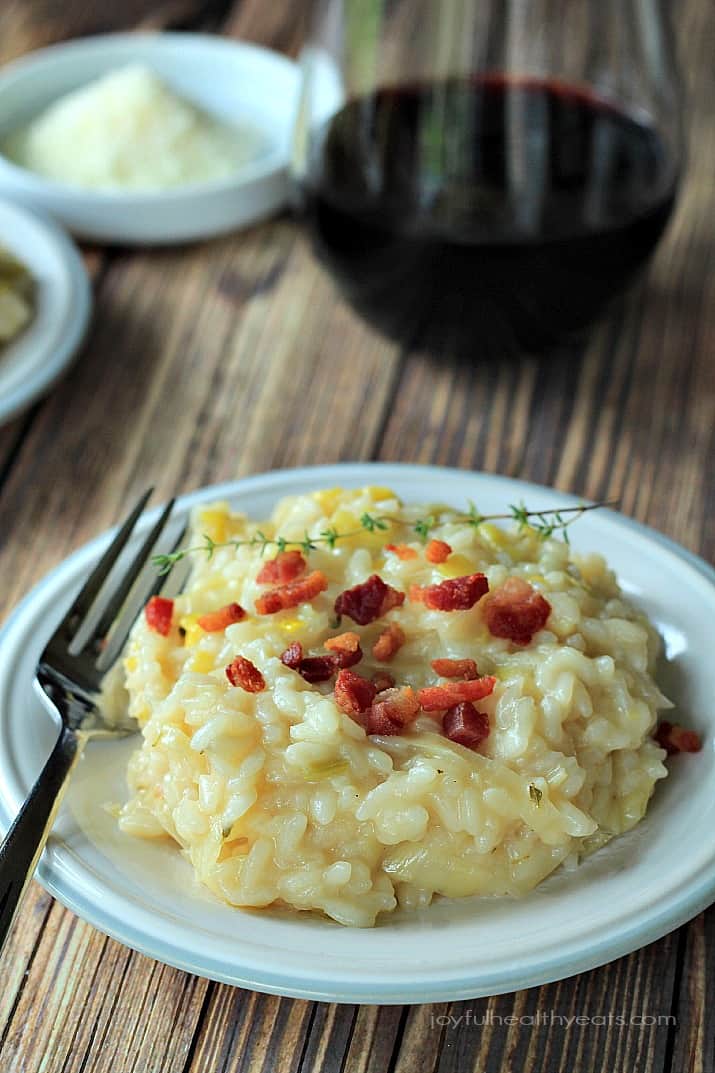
(481, 174)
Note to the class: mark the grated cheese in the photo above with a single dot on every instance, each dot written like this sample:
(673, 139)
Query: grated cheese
(128, 130)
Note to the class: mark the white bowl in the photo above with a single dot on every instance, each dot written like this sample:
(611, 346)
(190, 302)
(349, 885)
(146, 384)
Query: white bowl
(234, 81)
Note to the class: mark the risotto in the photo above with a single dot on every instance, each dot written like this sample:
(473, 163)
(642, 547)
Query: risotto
(387, 715)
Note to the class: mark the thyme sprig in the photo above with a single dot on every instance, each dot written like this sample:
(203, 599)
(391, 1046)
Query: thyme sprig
(545, 523)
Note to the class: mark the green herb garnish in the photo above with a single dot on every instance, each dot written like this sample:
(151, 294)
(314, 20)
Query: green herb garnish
(546, 523)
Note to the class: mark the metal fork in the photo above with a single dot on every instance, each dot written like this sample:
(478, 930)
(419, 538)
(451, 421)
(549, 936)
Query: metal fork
(71, 680)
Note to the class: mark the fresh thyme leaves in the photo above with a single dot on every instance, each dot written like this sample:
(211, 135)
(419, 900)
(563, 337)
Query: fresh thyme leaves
(262, 541)
(423, 526)
(307, 544)
(474, 517)
(330, 536)
(535, 794)
(543, 522)
(371, 522)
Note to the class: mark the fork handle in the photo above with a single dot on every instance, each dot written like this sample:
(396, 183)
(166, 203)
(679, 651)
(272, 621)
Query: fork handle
(26, 838)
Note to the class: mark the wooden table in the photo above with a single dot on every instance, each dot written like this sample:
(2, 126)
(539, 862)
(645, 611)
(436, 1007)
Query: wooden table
(218, 360)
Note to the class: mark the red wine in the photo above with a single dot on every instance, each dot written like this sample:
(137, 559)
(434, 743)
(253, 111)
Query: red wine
(483, 209)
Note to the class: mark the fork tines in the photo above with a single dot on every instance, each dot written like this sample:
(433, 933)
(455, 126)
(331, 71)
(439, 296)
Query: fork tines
(57, 652)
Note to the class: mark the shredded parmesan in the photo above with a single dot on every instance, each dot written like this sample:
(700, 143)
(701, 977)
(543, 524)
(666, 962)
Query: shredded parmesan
(128, 130)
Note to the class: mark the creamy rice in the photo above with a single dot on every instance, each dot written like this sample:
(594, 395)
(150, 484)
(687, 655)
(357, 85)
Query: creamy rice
(278, 797)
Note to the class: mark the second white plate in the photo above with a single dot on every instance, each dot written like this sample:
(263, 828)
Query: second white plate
(32, 362)
(635, 890)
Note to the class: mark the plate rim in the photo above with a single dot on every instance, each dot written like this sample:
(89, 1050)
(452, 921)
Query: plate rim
(698, 894)
(58, 355)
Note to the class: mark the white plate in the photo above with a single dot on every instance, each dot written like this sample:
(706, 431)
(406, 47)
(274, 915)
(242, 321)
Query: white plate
(37, 357)
(237, 82)
(635, 890)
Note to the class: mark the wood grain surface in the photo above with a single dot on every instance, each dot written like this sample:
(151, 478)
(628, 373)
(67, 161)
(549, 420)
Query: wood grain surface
(221, 359)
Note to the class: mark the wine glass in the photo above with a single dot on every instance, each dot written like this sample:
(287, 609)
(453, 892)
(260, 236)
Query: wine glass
(483, 173)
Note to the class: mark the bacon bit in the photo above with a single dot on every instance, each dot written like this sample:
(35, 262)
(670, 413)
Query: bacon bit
(344, 642)
(293, 655)
(382, 680)
(516, 611)
(287, 566)
(353, 693)
(346, 659)
(676, 739)
(466, 726)
(213, 621)
(311, 668)
(438, 551)
(241, 672)
(317, 668)
(395, 710)
(379, 722)
(456, 594)
(388, 643)
(290, 595)
(368, 601)
(345, 648)
(158, 613)
(402, 551)
(435, 698)
(455, 668)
